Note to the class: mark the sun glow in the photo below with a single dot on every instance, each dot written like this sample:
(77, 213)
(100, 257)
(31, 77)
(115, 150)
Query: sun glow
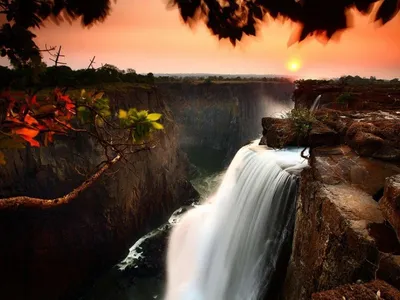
(293, 65)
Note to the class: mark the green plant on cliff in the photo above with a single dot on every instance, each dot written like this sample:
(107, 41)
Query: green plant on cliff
(301, 121)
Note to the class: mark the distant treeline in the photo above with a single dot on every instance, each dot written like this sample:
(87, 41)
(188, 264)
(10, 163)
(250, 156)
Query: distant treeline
(64, 76)
(352, 81)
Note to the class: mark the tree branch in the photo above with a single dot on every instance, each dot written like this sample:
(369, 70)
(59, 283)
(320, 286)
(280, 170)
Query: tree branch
(15, 203)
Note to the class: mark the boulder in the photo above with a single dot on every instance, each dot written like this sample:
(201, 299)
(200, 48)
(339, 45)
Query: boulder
(390, 203)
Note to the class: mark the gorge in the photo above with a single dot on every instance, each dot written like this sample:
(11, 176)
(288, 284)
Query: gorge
(345, 232)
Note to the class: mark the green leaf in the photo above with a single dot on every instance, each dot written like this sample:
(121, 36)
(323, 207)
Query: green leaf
(142, 115)
(154, 117)
(157, 125)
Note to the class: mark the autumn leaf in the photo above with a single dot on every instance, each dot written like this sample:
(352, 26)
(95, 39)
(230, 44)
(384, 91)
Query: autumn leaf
(28, 134)
(32, 101)
(30, 120)
(2, 158)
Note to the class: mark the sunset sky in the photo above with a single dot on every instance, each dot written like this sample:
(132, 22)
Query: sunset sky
(146, 36)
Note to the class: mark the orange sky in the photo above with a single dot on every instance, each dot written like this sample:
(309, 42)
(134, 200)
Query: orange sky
(144, 35)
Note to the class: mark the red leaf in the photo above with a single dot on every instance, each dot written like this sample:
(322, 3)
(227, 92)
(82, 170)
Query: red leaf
(50, 136)
(69, 106)
(31, 141)
(30, 120)
(33, 101)
(28, 134)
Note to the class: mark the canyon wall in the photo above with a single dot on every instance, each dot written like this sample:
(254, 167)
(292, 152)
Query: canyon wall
(347, 220)
(223, 116)
(50, 253)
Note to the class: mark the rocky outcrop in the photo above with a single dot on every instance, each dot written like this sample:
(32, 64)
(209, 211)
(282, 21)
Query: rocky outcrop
(347, 219)
(373, 134)
(50, 253)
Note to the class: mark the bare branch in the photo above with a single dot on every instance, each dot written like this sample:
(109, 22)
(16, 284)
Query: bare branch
(15, 203)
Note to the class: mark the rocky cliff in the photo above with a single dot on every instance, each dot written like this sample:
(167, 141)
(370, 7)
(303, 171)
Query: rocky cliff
(223, 116)
(49, 253)
(347, 220)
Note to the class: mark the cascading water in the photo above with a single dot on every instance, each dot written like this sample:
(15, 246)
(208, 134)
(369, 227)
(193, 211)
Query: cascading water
(316, 103)
(227, 249)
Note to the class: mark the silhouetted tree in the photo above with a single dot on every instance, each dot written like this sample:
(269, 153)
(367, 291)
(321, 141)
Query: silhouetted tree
(232, 19)
(16, 38)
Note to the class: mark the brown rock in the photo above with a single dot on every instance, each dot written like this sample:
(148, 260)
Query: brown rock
(322, 135)
(340, 232)
(360, 136)
(278, 133)
(373, 290)
(390, 203)
(389, 269)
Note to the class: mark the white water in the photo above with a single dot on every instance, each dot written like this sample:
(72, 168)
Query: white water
(227, 249)
(316, 103)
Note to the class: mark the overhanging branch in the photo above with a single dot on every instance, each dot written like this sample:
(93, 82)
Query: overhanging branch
(15, 203)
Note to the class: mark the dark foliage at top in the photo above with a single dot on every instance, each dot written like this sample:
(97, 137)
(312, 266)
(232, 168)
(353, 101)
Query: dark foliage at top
(232, 19)
(16, 38)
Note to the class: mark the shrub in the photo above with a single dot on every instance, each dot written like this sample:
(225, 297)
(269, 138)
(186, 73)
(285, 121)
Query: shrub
(302, 120)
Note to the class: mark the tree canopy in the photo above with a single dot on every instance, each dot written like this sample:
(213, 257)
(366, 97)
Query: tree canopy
(232, 19)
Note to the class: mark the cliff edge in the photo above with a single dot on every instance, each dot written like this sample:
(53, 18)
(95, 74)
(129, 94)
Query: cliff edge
(347, 220)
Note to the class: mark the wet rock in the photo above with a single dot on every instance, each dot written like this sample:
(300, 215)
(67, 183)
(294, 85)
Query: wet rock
(373, 290)
(390, 203)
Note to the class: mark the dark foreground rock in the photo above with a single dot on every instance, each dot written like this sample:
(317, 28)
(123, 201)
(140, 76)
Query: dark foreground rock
(374, 290)
(51, 253)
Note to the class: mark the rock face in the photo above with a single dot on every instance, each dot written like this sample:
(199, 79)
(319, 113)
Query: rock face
(341, 235)
(49, 254)
(347, 221)
(224, 116)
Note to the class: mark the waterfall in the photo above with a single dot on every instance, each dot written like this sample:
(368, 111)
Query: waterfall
(316, 103)
(227, 249)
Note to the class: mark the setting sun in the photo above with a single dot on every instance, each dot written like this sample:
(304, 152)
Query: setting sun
(293, 65)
